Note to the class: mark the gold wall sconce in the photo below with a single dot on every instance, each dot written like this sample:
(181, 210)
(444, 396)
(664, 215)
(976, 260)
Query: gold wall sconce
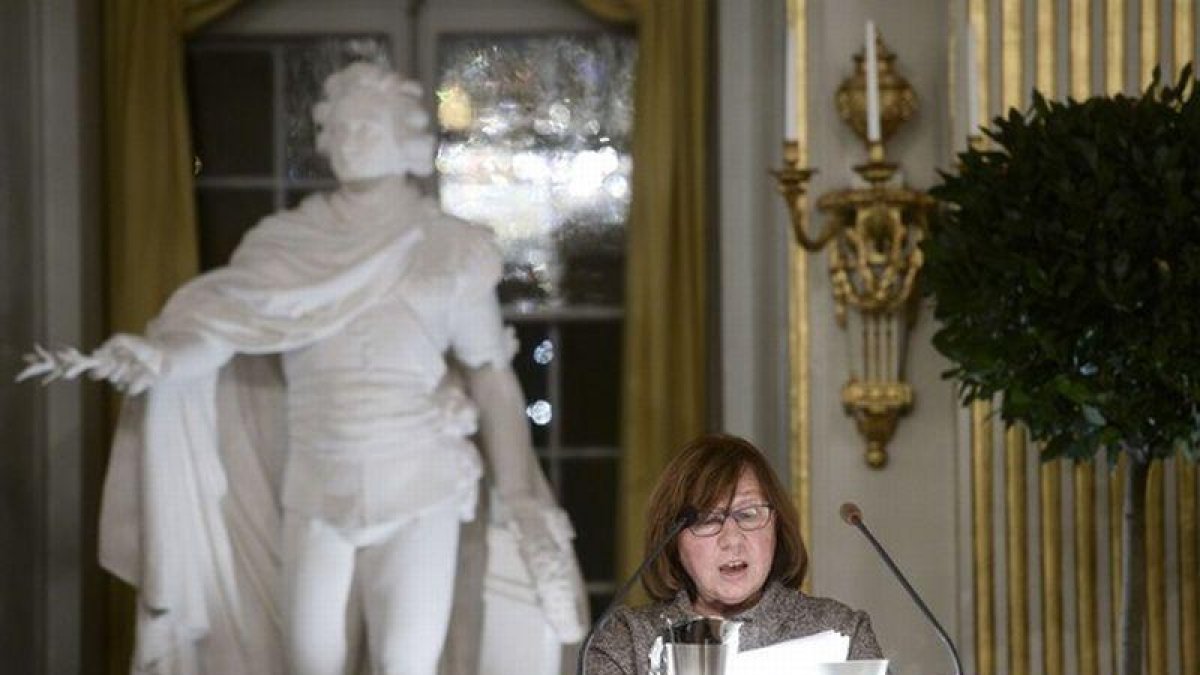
(872, 232)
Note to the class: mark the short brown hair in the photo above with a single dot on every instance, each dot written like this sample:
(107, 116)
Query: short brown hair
(703, 475)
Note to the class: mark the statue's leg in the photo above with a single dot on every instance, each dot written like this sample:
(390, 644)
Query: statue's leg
(408, 591)
(318, 571)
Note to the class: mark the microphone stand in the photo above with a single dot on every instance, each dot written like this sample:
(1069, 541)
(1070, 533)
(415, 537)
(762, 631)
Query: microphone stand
(853, 516)
(686, 518)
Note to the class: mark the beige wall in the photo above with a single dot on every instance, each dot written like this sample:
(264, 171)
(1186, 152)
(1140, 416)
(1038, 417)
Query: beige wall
(48, 235)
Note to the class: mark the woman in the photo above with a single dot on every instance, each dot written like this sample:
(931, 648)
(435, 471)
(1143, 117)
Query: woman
(742, 559)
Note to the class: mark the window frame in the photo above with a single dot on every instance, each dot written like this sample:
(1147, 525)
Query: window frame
(415, 34)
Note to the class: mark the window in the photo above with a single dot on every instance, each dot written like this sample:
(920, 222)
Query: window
(251, 102)
(534, 142)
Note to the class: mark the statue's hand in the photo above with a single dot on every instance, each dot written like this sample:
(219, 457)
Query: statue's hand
(64, 363)
(544, 535)
(131, 363)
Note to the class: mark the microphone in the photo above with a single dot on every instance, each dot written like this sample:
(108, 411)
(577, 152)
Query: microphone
(686, 517)
(853, 516)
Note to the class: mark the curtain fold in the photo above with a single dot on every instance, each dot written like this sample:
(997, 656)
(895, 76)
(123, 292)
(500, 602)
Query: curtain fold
(150, 217)
(664, 388)
(619, 11)
(150, 209)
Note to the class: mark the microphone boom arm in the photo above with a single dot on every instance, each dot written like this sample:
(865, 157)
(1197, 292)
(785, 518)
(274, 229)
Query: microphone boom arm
(685, 519)
(854, 517)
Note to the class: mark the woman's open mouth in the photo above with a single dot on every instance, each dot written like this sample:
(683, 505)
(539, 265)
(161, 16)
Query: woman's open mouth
(733, 568)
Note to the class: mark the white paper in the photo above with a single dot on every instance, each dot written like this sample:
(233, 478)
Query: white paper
(873, 667)
(788, 656)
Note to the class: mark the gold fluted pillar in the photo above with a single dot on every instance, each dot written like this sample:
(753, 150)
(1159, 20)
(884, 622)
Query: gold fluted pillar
(981, 534)
(1012, 91)
(977, 19)
(798, 333)
(1050, 480)
(1189, 567)
(1016, 550)
(1047, 55)
(1116, 501)
(1185, 32)
(1085, 569)
(1156, 588)
(1081, 48)
(1114, 46)
(1149, 34)
(1080, 42)
(1049, 473)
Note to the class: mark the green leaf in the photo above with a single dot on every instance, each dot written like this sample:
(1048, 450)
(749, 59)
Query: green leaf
(1093, 416)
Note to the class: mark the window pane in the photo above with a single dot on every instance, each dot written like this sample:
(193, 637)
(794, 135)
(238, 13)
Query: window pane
(232, 110)
(226, 215)
(532, 365)
(251, 101)
(597, 602)
(591, 360)
(535, 135)
(307, 63)
(588, 493)
(593, 255)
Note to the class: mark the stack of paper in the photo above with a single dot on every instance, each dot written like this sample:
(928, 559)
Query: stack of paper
(820, 654)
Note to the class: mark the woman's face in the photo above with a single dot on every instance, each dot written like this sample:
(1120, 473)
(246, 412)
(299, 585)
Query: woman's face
(730, 567)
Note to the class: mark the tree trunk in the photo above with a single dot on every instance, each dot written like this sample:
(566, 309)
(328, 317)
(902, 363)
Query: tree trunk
(1133, 579)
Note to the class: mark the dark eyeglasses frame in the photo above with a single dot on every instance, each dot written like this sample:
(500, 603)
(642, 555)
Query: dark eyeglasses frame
(703, 516)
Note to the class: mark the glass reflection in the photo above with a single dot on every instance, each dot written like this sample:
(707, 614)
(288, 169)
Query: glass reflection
(543, 354)
(306, 65)
(535, 136)
(540, 412)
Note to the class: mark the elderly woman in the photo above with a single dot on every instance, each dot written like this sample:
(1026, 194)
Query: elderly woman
(742, 558)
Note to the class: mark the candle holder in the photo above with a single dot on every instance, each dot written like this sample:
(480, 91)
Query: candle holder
(897, 101)
(873, 235)
(793, 183)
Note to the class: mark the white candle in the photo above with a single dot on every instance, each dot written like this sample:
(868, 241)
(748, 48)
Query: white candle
(972, 87)
(789, 83)
(872, 66)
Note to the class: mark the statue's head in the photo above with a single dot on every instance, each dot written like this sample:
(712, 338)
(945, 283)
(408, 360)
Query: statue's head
(370, 123)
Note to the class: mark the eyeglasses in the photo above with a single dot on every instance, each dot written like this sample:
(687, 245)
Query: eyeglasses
(748, 519)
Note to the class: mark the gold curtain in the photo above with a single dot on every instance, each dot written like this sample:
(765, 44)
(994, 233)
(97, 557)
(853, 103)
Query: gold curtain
(150, 215)
(664, 392)
(150, 210)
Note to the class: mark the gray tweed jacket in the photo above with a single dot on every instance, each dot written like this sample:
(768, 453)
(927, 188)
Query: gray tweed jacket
(622, 646)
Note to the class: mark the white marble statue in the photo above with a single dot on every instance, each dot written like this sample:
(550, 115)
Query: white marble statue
(291, 514)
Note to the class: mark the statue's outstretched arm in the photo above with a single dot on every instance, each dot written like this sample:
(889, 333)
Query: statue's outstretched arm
(130, 362)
